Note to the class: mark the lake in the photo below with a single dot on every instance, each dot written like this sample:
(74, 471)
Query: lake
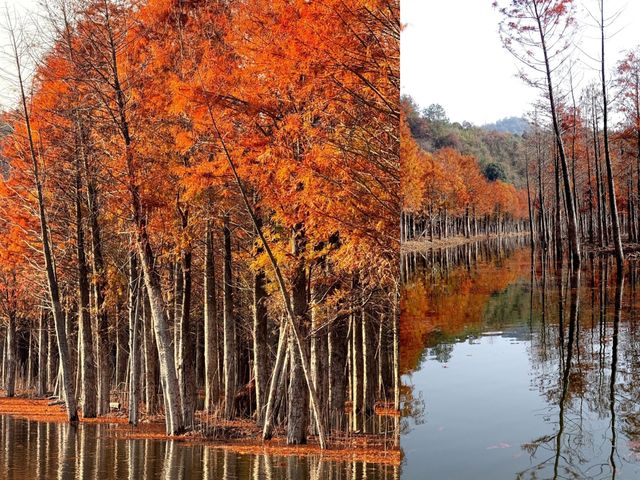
(31, 450)
(517, 368)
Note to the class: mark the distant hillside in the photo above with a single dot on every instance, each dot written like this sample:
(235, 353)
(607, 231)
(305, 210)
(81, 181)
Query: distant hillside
(515, 125)
(498, 152)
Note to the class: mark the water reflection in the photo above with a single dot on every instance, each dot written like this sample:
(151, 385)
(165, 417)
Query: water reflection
(45, 451)
(522, 368)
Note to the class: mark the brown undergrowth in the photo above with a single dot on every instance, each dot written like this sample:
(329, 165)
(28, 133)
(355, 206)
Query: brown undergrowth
(241, 436)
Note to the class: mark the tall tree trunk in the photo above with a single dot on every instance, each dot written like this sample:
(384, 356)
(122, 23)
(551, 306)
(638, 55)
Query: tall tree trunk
(52, 281)
(211, 386)
(396, 367)
(613, 204)
(150, 358)
(42, 339)
(86, 360)
(186, 359)
(337, 355)
(99, 286)
(530, 209)
(230, 373)
(11, 366)
(134, 346)
(178, 285)
(297, 413)
(276, 375)
(166, 359)
(574, 242)
(170, 388)
(260, 342)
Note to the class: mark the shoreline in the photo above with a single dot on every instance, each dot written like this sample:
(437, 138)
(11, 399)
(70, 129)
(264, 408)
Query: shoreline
(631, 249)
(366, 448)
(426, 245)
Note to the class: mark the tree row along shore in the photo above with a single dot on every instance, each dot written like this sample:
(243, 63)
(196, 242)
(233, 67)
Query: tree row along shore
(580, 187)
(200, 206)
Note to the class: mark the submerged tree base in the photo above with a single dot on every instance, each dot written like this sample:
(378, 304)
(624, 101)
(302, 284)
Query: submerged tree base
(426, 244)
(241, 436)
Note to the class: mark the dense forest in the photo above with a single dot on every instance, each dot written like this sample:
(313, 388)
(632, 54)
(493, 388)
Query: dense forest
(199, 213)
(454, 178)
(498, 150)
(577, 162)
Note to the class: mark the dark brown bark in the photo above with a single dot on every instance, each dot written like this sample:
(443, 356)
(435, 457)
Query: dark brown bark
(211, 374)
(298, 407)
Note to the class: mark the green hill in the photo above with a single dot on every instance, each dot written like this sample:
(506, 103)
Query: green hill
(499, 152)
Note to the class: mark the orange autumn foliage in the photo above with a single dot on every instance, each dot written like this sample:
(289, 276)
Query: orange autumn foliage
(448, 179)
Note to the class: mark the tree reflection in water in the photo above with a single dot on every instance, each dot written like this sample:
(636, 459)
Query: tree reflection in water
(49, 451)
(581, 329)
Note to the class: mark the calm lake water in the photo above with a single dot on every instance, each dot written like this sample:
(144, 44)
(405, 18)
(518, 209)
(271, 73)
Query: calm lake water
(32, 450)
(517, 369)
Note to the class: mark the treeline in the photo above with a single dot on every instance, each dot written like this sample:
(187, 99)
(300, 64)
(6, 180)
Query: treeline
(445, 193)
(200, 212)
(584, 139)
(586, 165)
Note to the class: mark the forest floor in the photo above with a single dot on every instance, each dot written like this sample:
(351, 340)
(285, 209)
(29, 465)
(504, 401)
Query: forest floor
(241, 436)
(425, 244)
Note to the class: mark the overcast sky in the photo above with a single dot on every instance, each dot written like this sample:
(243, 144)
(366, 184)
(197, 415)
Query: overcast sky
(451, 54)
(21, 9)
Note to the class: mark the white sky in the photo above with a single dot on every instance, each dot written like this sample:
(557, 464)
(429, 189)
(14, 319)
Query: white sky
(451, 54)
(21, 9)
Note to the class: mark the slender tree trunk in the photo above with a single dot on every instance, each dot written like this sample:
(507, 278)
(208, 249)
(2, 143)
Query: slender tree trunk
(531, 232)
(260, 342)
(211, 387)
(558, 226)
(134, 346)
(42, 339)
(281, 359)
(86, 360)
(230, 368)
(52, 282)
(396, 368)
(186, 360)
(178, 285)
(297, 413)
(574, 242)
(168, 377)
(11, 365)
(337, 349)
(99, 286)
(613, 204)
(150, 358)
(367, 372)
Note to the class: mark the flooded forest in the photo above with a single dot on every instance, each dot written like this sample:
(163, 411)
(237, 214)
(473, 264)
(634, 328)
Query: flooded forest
(199, 239)
(519, 367)
(520, 312)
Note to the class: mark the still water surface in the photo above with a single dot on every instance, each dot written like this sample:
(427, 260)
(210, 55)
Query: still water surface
(518, 369)
(32, 450)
